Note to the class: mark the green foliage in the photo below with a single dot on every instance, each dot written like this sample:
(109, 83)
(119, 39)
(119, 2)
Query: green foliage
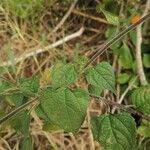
(107, 8)
(21, 123)
(123, 78)
(101, 76)
(5, 87)
(27, 144)
(146, 60)
(125, 57)
(23, 8)
(16, 99)
(144, 131)
(64, 107)
(29, 86)
(115, 131)
(140, 97)
(94, 90)
(109, 34)
(132, 36)
(63, 75)
(111, 18)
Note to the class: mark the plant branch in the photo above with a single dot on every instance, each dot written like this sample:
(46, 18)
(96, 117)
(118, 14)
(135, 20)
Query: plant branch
(16, 111)
(41, 50)
(123, 107)
(94, 57)
(140, 69)
(115, 39)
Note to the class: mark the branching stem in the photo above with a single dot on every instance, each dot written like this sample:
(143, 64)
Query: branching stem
(123, 107)
(93, 58)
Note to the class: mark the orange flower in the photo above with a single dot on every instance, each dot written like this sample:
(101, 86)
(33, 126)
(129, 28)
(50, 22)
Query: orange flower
(135, 19)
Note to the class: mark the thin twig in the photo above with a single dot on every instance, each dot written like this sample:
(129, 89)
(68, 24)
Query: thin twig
(86, 15)
(65, 16)
(140, 69)
(98, 19)
(41, 50)
(124, 93)
(122, 107)
(115, 39)
(16, 111)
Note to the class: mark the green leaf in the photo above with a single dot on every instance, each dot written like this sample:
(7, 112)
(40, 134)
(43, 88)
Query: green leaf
(115, 131)
(15, 99)
(111, 18)
(101, 76)
(144, 131)
(49, 126)
(4, 87)
(27, 144)
(94, 90)
(21, 123)
(63, 75)
(125, 58)
(146, 60)
(29, 86)
(109, 34)
(123, 78)
(65, 108)
(140, 97)
(132, 36)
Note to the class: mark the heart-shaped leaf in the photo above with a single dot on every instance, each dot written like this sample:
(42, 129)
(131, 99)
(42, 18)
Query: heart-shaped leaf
(115, 131)
(65, 108)
(101, 76)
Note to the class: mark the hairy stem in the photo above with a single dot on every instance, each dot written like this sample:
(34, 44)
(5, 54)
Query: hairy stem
(122, 107)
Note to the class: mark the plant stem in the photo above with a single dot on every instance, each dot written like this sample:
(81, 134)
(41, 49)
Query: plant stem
(140, 69)
(123, 107)
(115, 39)
(94, 57)
(16, 111)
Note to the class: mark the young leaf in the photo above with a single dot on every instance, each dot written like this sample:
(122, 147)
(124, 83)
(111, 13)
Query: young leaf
(115, 131)
(125, 58)
(29, 86)
(111, 18)
(65, 108)
(15, 99)
(146, 60)
(63, 75)
(140, 97)
(101, 76)
(144, 131)
(123, 78)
